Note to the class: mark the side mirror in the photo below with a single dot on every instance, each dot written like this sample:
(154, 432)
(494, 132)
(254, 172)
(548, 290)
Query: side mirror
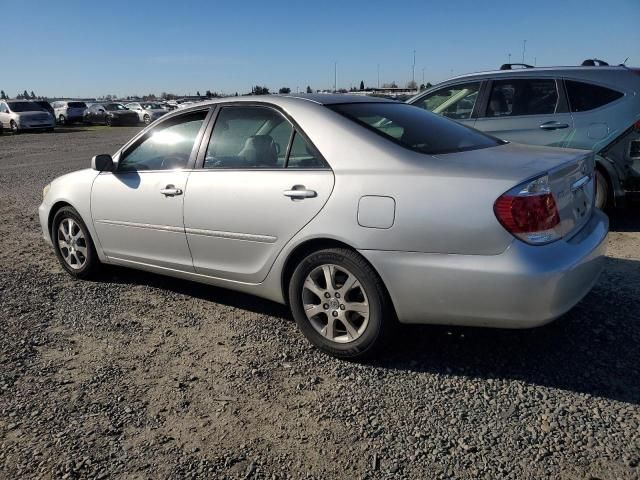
(103, 163)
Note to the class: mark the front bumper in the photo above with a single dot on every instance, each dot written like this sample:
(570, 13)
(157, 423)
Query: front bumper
(35, 125)
(525, 286)
(43, 215)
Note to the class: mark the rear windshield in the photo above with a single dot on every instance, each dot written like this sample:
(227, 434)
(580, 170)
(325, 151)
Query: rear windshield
(77, 105)
(25, 107)
(114, 106)
(415, 128)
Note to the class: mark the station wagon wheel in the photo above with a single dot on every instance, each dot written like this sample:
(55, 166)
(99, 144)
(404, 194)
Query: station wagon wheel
(73, 244)
(340, 303)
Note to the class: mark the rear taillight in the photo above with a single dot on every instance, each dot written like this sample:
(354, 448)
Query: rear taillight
(529, 212)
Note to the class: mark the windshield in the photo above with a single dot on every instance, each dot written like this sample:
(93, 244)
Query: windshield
(151, 106)
(25, 107)
(114, 106)
(76, 105)
(415, 128)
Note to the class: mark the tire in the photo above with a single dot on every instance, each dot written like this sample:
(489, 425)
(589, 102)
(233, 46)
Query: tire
(107, 122)
(146, 119)
(79, 245)
(14, 127)
(354, 335)
(61, 120)
(603, 200)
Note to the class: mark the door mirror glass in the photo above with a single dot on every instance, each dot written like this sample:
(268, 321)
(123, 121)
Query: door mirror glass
(102, 163)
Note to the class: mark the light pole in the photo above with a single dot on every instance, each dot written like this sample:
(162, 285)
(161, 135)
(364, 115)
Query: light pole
(524, 49)
(509, 62)
(335, 77)
(378, 75)
(413, 69)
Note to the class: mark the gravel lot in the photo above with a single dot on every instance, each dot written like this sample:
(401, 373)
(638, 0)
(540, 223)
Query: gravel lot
(140, 376)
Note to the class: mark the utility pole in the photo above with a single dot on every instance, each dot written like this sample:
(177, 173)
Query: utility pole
(378, 75)
(524, 49)
(413, 68)
(335, 77)
(423, 76)
(509, 62)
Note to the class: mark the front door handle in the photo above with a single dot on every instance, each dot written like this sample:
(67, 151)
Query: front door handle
(553, 125)
(300, 192)
(171, 191)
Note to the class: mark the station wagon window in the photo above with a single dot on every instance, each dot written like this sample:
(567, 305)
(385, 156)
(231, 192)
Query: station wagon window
(166, 147)
(510, 98)
(456, 101)
(586, 96)
(248, 137)
(414, 128)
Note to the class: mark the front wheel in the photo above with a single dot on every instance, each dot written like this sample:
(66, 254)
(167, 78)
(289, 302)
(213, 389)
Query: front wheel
(340, 303)
(61, 120)
(147, 120)
(108, 122)
(14, 127)
(73, 244)
(602, 191)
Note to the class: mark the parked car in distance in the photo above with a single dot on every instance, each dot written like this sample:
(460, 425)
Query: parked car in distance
(147, 111)
(354, 211)
(69, 111)
(21, 115)
(590, 107)
(110, 114)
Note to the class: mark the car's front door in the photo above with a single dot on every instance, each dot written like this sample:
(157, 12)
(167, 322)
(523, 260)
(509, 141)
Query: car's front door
(137, 210)
(457, 102)
(527, 110)
(261, 181)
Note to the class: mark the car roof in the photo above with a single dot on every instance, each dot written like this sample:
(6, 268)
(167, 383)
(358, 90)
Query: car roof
(569, 70)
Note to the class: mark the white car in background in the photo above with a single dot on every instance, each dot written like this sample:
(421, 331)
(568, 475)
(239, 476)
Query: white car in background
(147, 111)
(21, 115)
(67, 111)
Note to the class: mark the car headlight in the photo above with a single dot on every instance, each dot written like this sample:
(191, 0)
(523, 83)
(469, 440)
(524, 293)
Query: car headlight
(45, 190)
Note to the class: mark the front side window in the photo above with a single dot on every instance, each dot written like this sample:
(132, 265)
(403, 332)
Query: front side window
(454, 102)
(510, 98)
(415, 128)
(586, 96)
(248, 137)
(166, 147)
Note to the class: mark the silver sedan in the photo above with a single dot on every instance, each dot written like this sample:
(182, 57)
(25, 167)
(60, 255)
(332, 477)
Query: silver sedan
(356, 212)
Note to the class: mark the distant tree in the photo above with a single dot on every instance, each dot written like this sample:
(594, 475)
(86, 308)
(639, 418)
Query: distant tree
(25, 94)
(309, 89)
(361, 85)
(343, 90)
(236, 94)
(198, 93)
(260, 90)
(284, 90)
(412, 85)
(208, 94)
(33, 95)
(390, 85)
(3, 95)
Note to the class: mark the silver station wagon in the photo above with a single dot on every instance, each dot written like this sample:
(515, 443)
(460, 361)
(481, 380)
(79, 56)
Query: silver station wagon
(356, 212)
(594, 106)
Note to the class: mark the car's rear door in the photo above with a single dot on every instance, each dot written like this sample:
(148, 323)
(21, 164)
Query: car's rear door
(527, 110)
(137, 210)
(260, 181)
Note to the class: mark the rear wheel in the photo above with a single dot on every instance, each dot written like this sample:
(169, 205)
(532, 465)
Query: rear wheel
(61, 120)
(340, 303)
(602, 191)
(107, 122)
(73, 244)
(14, 127)
(147, 119)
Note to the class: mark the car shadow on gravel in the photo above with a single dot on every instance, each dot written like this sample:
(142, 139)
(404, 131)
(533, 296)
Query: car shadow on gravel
(626, 219)
(593, 349)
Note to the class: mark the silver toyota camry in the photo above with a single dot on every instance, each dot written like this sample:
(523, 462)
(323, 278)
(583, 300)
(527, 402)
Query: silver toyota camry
(356, 212)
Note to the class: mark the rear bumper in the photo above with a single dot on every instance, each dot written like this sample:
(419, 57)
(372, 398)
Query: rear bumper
(525, 286)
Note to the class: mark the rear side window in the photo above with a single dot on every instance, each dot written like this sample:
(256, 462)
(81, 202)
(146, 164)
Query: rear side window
(586, 96)
(527, 96)
(415, 128)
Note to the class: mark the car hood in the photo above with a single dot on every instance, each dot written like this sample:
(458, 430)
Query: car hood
(511, 161)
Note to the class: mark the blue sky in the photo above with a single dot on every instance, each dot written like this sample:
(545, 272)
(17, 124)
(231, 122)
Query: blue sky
(92, 48)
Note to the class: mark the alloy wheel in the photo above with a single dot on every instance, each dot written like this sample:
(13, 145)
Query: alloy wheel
(72, 243)
(335, 303)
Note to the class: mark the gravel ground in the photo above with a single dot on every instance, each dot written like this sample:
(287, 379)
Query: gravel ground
(139, 376)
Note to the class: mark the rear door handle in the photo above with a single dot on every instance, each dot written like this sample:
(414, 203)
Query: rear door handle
(300, 191)
(171, 191)
(553, 125)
